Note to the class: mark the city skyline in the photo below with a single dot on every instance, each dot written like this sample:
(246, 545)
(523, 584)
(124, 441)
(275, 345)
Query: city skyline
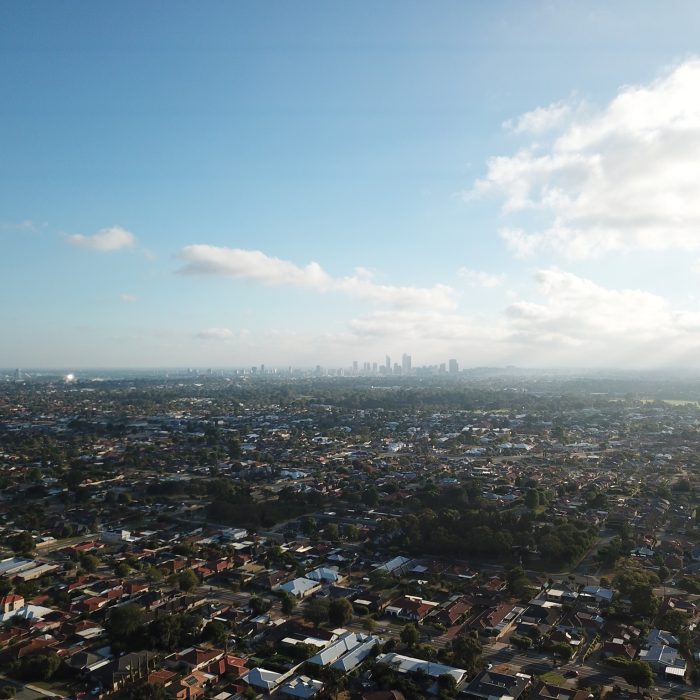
(231, 185)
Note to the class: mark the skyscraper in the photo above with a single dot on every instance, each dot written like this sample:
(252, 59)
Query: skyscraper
(405, 364)
(454, 367)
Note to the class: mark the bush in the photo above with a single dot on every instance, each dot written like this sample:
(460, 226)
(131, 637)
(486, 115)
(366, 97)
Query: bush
(618, 661)
(521, 642)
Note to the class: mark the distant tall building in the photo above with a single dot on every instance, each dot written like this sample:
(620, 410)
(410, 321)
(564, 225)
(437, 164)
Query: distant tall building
(405, 364)
(387, 363)
(454, 367)
(354, 367)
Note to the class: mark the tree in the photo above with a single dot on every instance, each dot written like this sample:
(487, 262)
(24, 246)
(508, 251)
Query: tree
(564, 650)
(466, 652)
(172, 631)
(153, 574)
(370, 497)
(22, 543)
(674, 621)
(644, 602)
(410, 635)
(289, 602)
(639, 674)
(40, 667)
(447, 685)
(215, 632)
(89, 563)
(518, 582)
(339, 612)
(149, 691)
(124, 623)
(258, 605)
(187, 580)
(308, 525)
(122, 569)
(352, 532)
(316, 611)
(532, 499)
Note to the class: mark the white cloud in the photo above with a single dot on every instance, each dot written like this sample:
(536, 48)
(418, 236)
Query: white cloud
(257, 266)
(128, 298)
(590, 324)
(575, 322)
(622, 178)
(106, 240)
(27, 226)
(478, 278)
(215, 334)
(540, 120)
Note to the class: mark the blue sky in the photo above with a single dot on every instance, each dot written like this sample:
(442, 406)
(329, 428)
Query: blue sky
(227, 184)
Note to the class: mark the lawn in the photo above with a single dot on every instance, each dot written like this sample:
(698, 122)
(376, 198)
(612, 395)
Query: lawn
(552, 677)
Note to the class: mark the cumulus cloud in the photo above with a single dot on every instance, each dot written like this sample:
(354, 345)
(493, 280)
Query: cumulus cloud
(541, 119)
(107, 240)
(478, 278)
(215, 334)
(572, 322)
(591, 324)
(620, 178)
(257, 266)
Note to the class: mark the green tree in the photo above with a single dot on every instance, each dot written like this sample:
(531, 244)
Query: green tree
(639, 674)
(122, 569)
(339, 612)
(22, 543)
(153, 574)
(124, 623)
(466, 652)
(308, 525)
(563, 650)
(288, 603)
(410, 635)
(187, 580)
(644, 602)
(215, 632)
(447, 686)
(532, 499)
(89, 563)
(674, 621)
(316, 611)
(258, 605)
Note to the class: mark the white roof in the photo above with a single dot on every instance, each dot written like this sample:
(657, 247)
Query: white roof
(262, 678)
(299, 586)
(324, 573)
(355, 657)
(406, 664)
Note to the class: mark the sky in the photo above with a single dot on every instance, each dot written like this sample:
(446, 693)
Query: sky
(226, 184)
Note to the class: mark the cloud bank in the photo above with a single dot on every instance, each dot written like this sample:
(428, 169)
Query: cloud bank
(623, 177)
(256, 266)
(575, 322)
